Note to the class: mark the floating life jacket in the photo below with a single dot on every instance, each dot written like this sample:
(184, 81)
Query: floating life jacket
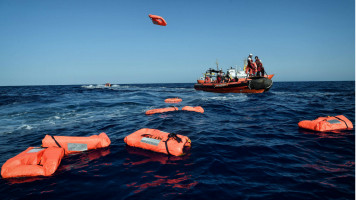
(195, 109)
(159, 141)
(161, 110)
(322, 124)
(34, 161)
(173, 100)
(76, 144)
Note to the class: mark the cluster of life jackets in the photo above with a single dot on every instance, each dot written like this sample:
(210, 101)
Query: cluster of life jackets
(173, 108)
(159, 141)
(169, 109)
(44, 160)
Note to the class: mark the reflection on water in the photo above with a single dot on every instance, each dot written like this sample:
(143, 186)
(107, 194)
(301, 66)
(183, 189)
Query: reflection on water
(330, 134)
(149, 156)
(179, 179)
(23, 180)
(83, 159)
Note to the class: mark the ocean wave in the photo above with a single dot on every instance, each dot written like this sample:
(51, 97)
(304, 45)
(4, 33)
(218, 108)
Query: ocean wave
(241, 144)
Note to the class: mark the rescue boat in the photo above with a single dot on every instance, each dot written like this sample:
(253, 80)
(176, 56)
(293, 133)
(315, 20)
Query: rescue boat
(233, 82)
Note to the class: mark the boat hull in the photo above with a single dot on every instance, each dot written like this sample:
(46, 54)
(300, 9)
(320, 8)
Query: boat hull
(255, 85)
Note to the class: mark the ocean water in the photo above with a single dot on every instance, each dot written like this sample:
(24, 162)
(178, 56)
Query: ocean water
(245, 146)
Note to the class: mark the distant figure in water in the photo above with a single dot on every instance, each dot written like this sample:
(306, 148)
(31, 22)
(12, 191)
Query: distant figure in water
(260, 68)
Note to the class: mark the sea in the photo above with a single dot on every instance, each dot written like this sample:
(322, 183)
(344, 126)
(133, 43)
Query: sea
(244, 146)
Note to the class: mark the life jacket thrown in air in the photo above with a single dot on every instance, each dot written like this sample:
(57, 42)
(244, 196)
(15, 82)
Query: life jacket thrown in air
(159, 141)
(158, 20)
(173, 100)
(34, 161)
(195, 109)
(161, 110)
(76, 144)
(323, 124)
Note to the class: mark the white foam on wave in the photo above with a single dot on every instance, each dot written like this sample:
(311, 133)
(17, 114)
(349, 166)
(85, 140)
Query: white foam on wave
(25, 126)
(99, 86)
(304, 94)
(239, 98)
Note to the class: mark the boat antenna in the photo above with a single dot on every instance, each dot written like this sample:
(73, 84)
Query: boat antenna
(217, 65)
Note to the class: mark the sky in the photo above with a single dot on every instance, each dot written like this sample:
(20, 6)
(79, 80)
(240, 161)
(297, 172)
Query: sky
(64, 42)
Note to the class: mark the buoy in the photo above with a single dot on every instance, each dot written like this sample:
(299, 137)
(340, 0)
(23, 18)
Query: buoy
(195, 109)
(173, 100)
(323, 124)
(34, 161)
(161, 110)
(159, 141)
(76, 144)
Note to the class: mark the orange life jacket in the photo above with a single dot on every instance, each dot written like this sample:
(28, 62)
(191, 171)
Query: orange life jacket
(158, 141)
(195, 109)
(322, 124)
(158, 20)
(161, 110)
(173, 100)
(34, 161)
(76, 144)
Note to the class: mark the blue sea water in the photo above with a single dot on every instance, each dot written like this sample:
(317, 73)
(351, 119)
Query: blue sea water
(245, 146)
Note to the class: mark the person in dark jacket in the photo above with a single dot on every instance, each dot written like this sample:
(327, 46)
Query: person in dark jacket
(260, 68)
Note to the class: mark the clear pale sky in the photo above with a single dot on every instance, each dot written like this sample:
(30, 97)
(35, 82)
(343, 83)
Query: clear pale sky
(55, 42)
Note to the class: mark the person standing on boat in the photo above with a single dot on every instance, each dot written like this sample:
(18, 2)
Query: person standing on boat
(251, 66)
(260, 69)
(219, 76)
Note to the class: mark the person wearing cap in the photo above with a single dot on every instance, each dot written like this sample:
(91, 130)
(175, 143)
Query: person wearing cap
(260, 68)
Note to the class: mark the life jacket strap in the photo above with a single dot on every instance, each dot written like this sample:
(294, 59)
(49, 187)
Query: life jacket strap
(173, 136)
(343, 121)
(56, 141)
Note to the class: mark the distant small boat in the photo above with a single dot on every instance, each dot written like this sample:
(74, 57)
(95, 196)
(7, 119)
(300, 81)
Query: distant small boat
(107, 84)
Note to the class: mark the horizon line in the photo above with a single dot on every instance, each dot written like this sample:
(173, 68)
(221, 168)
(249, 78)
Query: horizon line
(147, 83)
